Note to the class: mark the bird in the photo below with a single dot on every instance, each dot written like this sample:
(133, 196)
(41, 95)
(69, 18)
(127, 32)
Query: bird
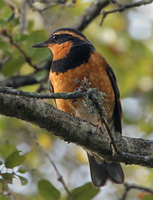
(74, 57)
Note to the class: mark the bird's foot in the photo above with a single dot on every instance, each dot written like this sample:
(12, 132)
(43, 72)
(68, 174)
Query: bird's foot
(99, 126)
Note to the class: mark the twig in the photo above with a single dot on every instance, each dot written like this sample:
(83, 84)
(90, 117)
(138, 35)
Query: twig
(8, 193)
(27, 58)
(123, 7)
(90, 14)
(15, 11)
(111, 135)
(57, 16)
(115, 2)
(42, 1)
(62, 95)
(41, 11)
(59, 176)
(24, 22)
(99, 105)
(128, 187)
(52, 4)
(115, 147)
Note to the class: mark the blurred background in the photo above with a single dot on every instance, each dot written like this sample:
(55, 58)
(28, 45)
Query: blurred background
(126, 41)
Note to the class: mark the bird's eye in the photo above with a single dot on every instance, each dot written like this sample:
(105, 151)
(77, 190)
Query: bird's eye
(55, 38)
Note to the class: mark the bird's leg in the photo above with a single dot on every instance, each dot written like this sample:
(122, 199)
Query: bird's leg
(99, 127)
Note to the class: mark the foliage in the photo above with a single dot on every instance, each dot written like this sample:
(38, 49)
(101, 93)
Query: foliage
(85, 192)
(48, 191)
(11, 158)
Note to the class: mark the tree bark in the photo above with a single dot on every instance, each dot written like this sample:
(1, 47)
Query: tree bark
(135, 150)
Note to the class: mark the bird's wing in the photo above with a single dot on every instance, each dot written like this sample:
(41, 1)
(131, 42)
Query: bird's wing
(51, 90)
(118, 109)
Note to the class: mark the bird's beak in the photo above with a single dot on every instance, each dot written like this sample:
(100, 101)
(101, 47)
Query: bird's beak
(40, 45)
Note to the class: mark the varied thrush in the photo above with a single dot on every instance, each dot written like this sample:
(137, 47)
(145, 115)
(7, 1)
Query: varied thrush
(74, 57)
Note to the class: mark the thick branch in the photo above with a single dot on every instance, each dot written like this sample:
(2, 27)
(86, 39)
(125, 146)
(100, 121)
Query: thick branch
(91, 13)
(18, 81)
(75, 130)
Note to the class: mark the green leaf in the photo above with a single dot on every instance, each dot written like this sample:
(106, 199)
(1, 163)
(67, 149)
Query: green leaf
(36, 54)
(10, 17)
(2, 4)
(30, 25)
(41, 75)
(8, 177)
(2, 23)
(48, 191)
(22, 170)
(147, 197)
(3, 44)
(6, 149)
(14, 159)
(11, 67)
(23, 180)
(85, 192)
(20, 37)
(3, 185)
(3, 197)
(6, 11)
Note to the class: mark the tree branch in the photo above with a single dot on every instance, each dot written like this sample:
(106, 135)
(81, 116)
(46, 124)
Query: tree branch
(122, 7)
(93, 101)
(75, 130)
(128, 187)
(61, 95)
(24, 11)
(18, 81)
(26, 57)
(59, 176)
(91, 13)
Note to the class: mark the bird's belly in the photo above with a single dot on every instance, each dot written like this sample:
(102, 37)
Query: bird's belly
(82, 112)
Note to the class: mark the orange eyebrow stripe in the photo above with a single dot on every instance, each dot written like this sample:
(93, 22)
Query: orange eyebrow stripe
(71, 33)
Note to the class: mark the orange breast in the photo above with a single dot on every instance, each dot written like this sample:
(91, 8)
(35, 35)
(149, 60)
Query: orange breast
(95, 72)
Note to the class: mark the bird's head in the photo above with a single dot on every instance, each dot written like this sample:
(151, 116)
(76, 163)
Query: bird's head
(62, 40)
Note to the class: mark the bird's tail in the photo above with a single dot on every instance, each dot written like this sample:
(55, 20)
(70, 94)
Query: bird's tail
(101, 171)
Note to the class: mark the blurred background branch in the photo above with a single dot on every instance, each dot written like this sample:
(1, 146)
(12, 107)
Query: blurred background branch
(129, 187)
(59, 176)
(123, 7)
